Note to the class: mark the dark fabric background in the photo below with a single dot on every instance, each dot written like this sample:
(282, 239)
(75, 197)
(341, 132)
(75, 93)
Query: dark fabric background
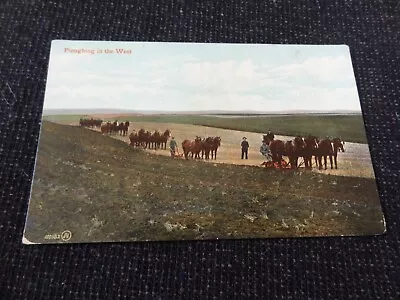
(313, 268)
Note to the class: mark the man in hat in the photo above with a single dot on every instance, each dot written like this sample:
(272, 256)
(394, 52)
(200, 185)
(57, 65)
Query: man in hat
(173, 146)
(245, 147)
(270, 135)
(266, 150)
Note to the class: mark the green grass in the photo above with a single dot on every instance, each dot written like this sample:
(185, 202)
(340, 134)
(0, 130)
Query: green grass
(63, 118)
(101, 189)
(349, 127)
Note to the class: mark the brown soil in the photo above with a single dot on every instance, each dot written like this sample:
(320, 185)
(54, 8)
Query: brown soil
(356, 161)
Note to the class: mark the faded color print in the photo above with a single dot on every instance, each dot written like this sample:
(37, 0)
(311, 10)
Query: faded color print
(186, 141)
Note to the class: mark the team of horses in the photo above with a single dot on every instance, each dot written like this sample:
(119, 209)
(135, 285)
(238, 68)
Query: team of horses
(115, 128)
(300, 147)
(157, 140)
(205, 146)
(150, 140)
(307, 148)
(91, 123)
(106, 127)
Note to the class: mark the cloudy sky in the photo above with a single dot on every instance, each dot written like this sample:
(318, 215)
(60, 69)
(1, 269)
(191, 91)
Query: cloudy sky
(189, 77)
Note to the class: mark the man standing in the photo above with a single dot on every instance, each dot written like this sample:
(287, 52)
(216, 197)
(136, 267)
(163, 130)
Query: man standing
(270, 135)
(245, 147)
(173, 146)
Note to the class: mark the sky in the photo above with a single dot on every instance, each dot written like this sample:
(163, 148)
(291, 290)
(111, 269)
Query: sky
(196, 77)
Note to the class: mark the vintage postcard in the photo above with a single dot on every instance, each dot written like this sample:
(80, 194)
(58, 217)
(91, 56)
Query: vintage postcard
(146, 141)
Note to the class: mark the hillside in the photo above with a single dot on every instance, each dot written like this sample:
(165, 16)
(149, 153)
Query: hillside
(101, 189)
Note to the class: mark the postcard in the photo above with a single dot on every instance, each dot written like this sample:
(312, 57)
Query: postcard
(148, 141)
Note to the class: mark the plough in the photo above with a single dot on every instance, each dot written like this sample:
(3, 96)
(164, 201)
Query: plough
(176, 153)
(275, 165)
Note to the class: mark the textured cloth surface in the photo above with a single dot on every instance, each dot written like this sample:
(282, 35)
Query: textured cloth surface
(309, 268)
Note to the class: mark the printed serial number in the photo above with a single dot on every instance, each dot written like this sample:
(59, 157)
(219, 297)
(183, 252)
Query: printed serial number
(64, 236)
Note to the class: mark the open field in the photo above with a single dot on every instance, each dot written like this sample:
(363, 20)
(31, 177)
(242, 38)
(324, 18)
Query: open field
(348, 127)
(356, 161)
(101, 189)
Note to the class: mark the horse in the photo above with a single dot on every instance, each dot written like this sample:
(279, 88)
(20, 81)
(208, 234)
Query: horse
(114, 128)
(106, 128)
(310, 149)
(293, 150)
(126, 127)
(155, 139)
(216, 142)
(164, 138)
(142, 137)
(134, 138)
(207, 144)
(148, 138)
(186, 147)
(123, 129)
(325, 149)
(290, 153)
(97, 123)
(338, 146)
(199, 147)
(190, 147)
(277, 148)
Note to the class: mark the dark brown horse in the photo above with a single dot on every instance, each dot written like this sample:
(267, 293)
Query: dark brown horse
(142, 137)
(329, 148)
(325, 150)
(148, 143)
(126, 127)
(207, 144)
(199, 146)
(106, 128)
(114, 128)
(294, 150)
(216, 142)
(123, 128)
(156, 139)
(277, 148)
(338, 146)
(164, 138)
(290, 153)
(310, 150)
(134, 138)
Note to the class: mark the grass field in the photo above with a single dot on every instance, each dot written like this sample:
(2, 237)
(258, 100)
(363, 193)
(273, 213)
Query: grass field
(101, 189)
(348, 127)
(63, 118)
(354, 162)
